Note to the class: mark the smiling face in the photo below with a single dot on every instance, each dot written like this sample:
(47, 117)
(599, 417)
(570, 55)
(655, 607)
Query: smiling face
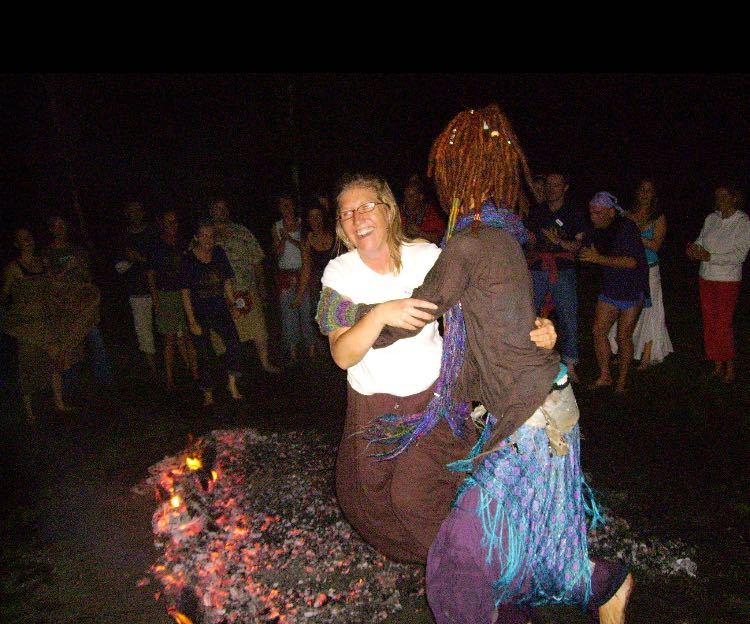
(555, 188)
(315, 219)
(601, 216)
(205, 237)
(24, 241)
(645, 193)
(285, 206)
(367, 232)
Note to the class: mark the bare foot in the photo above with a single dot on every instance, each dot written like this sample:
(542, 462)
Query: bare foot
(208, 398)
(602, 382)
(232, 389)
(613, 611)
(620, 387)
(729, 377)
(64, 409)
(643, 366)
(270, 368)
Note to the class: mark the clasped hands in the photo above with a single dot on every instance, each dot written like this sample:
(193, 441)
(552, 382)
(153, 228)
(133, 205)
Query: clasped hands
(552, 235)
(589, 254)
(697, 252)
(413, 314)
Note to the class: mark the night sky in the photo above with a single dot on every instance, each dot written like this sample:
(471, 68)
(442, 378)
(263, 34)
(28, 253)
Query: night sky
(176, 139)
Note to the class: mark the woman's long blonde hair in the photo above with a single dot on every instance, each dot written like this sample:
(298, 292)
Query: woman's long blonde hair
(384, 194)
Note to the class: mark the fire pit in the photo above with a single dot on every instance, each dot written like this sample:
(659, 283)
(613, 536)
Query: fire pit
(249, 531)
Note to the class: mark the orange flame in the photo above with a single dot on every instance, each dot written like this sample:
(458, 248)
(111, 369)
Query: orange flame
(175, 501)
(178, 617)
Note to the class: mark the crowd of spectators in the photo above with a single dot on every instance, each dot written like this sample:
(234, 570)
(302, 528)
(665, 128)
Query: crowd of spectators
(206, 293)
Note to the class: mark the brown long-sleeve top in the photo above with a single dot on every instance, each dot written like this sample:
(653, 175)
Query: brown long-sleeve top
(503, 368)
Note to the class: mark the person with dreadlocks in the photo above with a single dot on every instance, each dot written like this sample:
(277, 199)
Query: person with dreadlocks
(397, 503)
(517, 534)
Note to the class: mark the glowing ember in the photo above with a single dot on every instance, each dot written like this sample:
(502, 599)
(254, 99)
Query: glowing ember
(268, 544)
(178, 617)
(194, 463)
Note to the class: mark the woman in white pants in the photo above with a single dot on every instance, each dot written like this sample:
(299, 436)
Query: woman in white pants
(650, 338)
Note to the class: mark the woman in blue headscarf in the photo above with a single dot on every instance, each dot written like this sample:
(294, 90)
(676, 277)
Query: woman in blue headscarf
(616, 245)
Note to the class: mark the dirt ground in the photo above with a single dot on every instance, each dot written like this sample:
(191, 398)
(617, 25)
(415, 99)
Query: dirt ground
(76, 540)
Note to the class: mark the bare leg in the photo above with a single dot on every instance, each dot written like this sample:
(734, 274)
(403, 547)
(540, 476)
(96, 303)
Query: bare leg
(30, 417)
(646, 357)
(720, 369)
(232, 387)
(625, 327)
(731, 373)
(189, 357)
(169, 342)
(604, 317)
(208, 398)
(151, 361)
(262, 346)
(58, 394)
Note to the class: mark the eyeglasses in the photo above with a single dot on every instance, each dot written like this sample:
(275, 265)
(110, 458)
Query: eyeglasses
(345, 215)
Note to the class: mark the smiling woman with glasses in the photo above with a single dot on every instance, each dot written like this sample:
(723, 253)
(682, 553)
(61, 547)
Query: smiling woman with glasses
(368, 200)
(345, 215)
(396, 506)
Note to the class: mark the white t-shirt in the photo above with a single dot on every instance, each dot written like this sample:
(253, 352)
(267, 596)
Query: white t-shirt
(291, 257)
(407, 366)
(728, 241)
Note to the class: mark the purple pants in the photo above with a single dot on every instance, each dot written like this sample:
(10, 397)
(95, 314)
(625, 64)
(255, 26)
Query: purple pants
(459, 580)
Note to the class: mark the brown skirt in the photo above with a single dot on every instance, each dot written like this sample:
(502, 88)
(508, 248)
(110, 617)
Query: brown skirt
(397, 506)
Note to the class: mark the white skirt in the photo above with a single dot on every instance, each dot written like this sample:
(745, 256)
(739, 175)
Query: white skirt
(651, 324)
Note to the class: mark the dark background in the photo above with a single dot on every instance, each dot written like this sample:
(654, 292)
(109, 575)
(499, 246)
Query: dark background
(176, 139)
(672, 453)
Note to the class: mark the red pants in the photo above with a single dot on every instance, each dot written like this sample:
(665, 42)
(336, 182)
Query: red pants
(718, 300)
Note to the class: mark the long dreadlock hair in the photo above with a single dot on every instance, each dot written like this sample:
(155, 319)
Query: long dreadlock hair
(476, 157)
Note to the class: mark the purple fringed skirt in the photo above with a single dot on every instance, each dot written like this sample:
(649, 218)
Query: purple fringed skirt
(517, 535)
